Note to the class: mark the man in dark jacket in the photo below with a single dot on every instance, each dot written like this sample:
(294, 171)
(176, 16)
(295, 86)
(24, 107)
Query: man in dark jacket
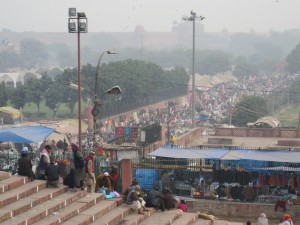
(170, 201)
(70, 179)
(52, 174)
(155, 199)
(25, 165)
(79, 165)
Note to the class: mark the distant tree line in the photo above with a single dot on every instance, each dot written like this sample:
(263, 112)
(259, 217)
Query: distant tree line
(243, 53)
(141, 83)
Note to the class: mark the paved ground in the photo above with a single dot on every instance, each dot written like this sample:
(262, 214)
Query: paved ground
(250, 142)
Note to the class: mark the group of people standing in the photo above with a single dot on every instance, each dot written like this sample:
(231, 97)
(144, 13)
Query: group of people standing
(81, 175)
(46, 170)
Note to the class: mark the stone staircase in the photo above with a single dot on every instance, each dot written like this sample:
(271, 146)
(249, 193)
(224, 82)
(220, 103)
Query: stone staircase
(25, 203)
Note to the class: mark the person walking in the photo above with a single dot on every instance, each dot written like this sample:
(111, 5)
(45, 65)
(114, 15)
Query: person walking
(262, 219)
(78, 164)
(90, 172)
(25, 165)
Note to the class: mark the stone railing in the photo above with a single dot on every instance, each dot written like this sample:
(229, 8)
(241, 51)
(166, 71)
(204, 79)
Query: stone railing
(258, 132)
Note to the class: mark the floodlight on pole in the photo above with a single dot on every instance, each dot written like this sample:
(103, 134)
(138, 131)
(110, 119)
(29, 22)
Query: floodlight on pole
(77, 23)
(193, 18)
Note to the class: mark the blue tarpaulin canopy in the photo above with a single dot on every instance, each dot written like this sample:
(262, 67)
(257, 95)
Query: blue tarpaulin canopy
(224, 154)
(26, 134)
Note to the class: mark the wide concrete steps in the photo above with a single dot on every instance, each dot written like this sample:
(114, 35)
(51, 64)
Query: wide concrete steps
(45, 209)
(4, 175)
(10, 182)
(20, 192)
(27, 203)
(71, 210)
(93, 213)
(163, 218)
(134, 218)
(216, 222)
(31, 203)
(186, 219)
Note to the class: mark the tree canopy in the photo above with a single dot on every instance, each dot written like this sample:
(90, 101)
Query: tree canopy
(248, 110)
(293, 60)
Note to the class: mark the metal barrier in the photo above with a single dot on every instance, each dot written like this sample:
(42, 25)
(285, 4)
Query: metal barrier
(242, 180)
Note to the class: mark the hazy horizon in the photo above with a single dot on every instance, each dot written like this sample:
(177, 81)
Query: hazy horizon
(156, 15)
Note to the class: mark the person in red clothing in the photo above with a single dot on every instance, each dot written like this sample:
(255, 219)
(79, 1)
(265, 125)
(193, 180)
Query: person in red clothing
(183, 206)
(114, 177)
(89, 172)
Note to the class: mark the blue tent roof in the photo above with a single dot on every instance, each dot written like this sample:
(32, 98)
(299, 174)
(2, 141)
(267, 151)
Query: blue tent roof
(26, 134)
(225, 154)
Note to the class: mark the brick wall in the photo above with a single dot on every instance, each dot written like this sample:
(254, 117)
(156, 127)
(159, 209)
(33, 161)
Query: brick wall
(242, 209)
(258, 132)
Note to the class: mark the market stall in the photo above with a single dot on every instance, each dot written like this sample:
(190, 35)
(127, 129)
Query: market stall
(241, 174)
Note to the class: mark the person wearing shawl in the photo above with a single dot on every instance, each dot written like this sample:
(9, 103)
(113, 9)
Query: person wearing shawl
(287, 220)
(25, 165)
(262, 219)
(44, 162)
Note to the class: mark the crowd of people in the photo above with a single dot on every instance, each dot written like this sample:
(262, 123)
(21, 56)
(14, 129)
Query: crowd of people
(81, 176)
(215, 101)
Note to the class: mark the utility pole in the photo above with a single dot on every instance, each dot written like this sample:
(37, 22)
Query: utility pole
(193, 18)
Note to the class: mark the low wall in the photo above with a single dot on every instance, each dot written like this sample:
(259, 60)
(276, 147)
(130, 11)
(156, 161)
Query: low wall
(221, 141)
(258, 132)
(288, 143)
(225, 209)
(189, 137)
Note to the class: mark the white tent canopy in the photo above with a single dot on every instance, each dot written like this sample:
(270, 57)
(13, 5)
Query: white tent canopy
(223, 154)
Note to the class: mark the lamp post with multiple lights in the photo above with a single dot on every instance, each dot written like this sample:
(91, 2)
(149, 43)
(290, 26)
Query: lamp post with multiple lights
(77, 23)
(193, 18)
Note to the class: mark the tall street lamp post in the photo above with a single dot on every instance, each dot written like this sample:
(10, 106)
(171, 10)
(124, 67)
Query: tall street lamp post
(115, 90)
(77, 23)
(193, 18)
(97, 100)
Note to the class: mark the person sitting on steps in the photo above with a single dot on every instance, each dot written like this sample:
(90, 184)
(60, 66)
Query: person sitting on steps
(135, 202)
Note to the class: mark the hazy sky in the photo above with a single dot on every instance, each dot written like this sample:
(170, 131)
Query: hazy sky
(153, 15)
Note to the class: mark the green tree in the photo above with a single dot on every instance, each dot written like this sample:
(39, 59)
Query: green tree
(4, 95)
(17, 97)
(212, 62)
(294, 92)
(69, 96)
(54, 96)
(293, 60)
(35, 89)
(249, 109)
(244, 69)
